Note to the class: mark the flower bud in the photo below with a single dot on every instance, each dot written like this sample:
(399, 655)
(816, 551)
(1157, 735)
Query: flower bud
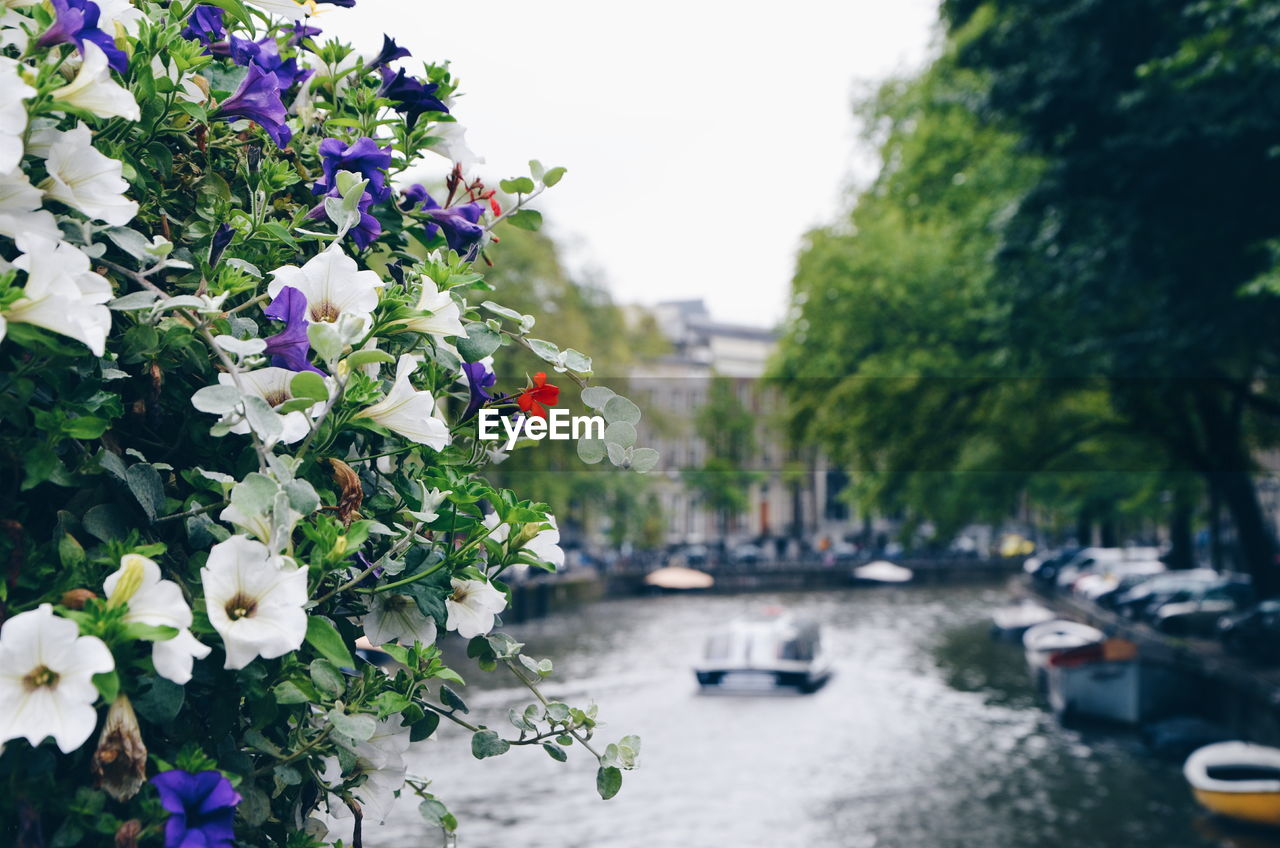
(75, 599)
(131, 574)
(120, 761)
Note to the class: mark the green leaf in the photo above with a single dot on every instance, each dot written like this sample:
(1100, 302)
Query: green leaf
(644, 460)
(619, 408)
(147, 488)
(327, 678)
(487, 743)
(160, 700)
(518, 185)
(526, 219)
(361, 358)
(390, 703)
(553, 176)
(324, 637)
(424, 727)
(289, 692)
(359, 727)
(308, 384)
(86, 428)
(140, 632)
(108, 685)
(544, 349)
(479, 342)
(452, 700)
(70, 551)
(620, 433)
(216, 400)
(608, 781)
(557, 753)
(597, 396)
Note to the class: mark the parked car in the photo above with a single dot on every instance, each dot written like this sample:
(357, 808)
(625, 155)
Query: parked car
(1110, 576)
(1253, 633)
(746, 554)
(1092, 559)
(1044, 569)
(1196, 612)
(1151, 593)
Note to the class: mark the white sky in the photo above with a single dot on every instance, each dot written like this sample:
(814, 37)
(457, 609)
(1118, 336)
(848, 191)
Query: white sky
(702, 138)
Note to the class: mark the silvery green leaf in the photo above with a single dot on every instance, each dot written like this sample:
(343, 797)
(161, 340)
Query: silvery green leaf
(619, 408)
(130, 241)
(241, 347)
(216, 400)
(620, 433)
(245, 267)
(113, 374)
(498, 309)
(133, 301)
(180, 264)
(241, 325)
(577, 361)
(342, 218)
(591, 451)
(161, 247)
(597, 396)
(220, 429)
(544, 349)
(358, 727)
(262, 418)
(644, 460)
(303, 497)
(325, 340)
(254, 494)
(618, 454)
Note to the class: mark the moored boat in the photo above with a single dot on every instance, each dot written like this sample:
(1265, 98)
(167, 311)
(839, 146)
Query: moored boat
(677, 578)
(1012, 622)
(1041, 641)
(1238, 780)
(1109, 681)
(882, 571)
(777, 653)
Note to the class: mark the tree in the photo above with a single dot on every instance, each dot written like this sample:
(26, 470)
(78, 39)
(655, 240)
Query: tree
(728, 429)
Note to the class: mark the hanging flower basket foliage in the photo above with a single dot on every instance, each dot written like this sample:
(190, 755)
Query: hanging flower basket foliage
(241, 360)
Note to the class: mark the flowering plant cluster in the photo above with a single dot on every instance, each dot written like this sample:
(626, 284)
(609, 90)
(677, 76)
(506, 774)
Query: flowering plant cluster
(241, 362)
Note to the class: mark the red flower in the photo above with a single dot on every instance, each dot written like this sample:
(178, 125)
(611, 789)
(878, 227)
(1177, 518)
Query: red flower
(535, 399)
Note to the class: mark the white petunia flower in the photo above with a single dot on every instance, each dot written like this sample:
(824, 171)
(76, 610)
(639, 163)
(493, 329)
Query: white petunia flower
(87, 180)
(188, 89)
(46, 679)
(289, 10)
(95, 91)
(445, 318)
(272, 385)
(61, 293)
(472, 607)
(452, 144)
(254, 600)
(160, 603)
(545, 546)
(396, 618)
(409, 412)
(20, 211)
(333, 284)
(380, 759)
(13, 113)
(119, 12)
(431, 501)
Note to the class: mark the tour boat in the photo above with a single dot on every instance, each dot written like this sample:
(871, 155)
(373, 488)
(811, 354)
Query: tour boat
(1043, 640)
(1238, 780)
(1013, 621)
(882, 571)
(777, 653)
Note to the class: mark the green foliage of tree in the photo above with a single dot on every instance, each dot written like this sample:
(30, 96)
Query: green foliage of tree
(728, 429)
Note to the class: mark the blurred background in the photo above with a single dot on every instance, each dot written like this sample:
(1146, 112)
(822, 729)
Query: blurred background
(986, 292)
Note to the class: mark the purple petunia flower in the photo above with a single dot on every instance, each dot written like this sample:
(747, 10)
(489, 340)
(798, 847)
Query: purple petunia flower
(77, 22)
(363, 157)
(265, 54)
(389, 53)
(479, 378)
(221, 239)
(366, 230)
(460, 224)
(300, 32)
(205, 25)
(346, 4)
(258, 99)
(289, 348)
(202, 809)
(410, 96)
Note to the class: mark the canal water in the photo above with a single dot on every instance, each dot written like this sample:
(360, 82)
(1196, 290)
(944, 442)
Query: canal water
(928, 736)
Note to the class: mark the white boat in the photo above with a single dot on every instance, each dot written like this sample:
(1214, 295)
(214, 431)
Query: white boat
(1110, 682)
(1041, 641)
(1012, 622)
(777, 653)
(882, 571)
(1238, 780)
(677, 578)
